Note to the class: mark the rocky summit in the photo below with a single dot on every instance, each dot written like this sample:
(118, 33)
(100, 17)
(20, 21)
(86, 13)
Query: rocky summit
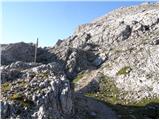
(108, 68)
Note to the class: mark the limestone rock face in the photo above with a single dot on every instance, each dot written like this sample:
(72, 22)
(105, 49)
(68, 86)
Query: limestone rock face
(14, 70)
(124, 27)
(57, 102)
(100, 59)
(46, 93)
(124, 38)
(129, 38)
(121, 45)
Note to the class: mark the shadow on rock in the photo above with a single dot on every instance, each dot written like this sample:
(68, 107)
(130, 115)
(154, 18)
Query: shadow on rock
(95, 108)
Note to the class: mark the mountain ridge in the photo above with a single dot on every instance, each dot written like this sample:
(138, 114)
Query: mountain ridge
(110, 62)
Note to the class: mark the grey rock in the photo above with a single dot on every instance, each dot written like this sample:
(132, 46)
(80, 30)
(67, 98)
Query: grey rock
(155, 42)
(122, 45)
(51, 106)
(67, 99)
(7, 110)
(123, 32)
(100, 59)
(24, 52)
(10, 74)
(93, 114)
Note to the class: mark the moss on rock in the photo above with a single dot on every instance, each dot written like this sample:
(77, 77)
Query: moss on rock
(123, 71)
(5, 87)
(21, 99)
(108, 91)
(109, 94)
(79, 76)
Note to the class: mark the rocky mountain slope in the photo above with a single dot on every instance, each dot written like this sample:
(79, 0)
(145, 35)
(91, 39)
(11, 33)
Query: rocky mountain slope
(107, 69)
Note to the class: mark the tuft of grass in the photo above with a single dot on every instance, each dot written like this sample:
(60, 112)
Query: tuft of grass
(16, 96)
(118, 51)
(123, 71)
(22, 83)
(79, 76)
(22, 99)
(43, 75)
(146, 101)
(5, 87)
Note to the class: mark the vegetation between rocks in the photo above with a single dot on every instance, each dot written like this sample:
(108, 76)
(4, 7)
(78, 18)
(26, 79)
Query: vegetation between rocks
(22, 84)
(123, 71)
(109, 95)
(5, 87)
(108, 91)
(43, 75)
(79, 76)
(22, 99)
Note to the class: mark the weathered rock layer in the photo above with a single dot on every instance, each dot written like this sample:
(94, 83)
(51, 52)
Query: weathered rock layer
(115, 58)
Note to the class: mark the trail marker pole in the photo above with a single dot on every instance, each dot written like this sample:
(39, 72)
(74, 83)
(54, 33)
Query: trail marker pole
(35, 55)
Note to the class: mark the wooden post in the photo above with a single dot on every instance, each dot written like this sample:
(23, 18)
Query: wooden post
(35, 55)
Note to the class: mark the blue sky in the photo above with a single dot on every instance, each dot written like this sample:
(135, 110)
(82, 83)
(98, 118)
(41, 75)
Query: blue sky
(49, 21)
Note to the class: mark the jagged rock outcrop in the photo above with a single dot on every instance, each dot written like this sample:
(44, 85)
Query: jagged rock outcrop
(14, 70)
(115, 30)
(24, 52)
(114, 59)
(126, 38)
(42, 91)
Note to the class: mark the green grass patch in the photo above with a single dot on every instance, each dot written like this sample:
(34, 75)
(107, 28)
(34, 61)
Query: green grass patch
(43, 75)
(22, 83)
(138, 110)
(5, 87)
(16, 96)
(108, 91)
(109, 95)
(22, 99)
(123, 71)
(146, 101)
(79, 76)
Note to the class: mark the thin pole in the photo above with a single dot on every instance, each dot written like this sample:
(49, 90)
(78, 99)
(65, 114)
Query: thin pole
(35, 55)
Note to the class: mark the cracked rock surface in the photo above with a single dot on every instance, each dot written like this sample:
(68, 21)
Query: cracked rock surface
(111, 62)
